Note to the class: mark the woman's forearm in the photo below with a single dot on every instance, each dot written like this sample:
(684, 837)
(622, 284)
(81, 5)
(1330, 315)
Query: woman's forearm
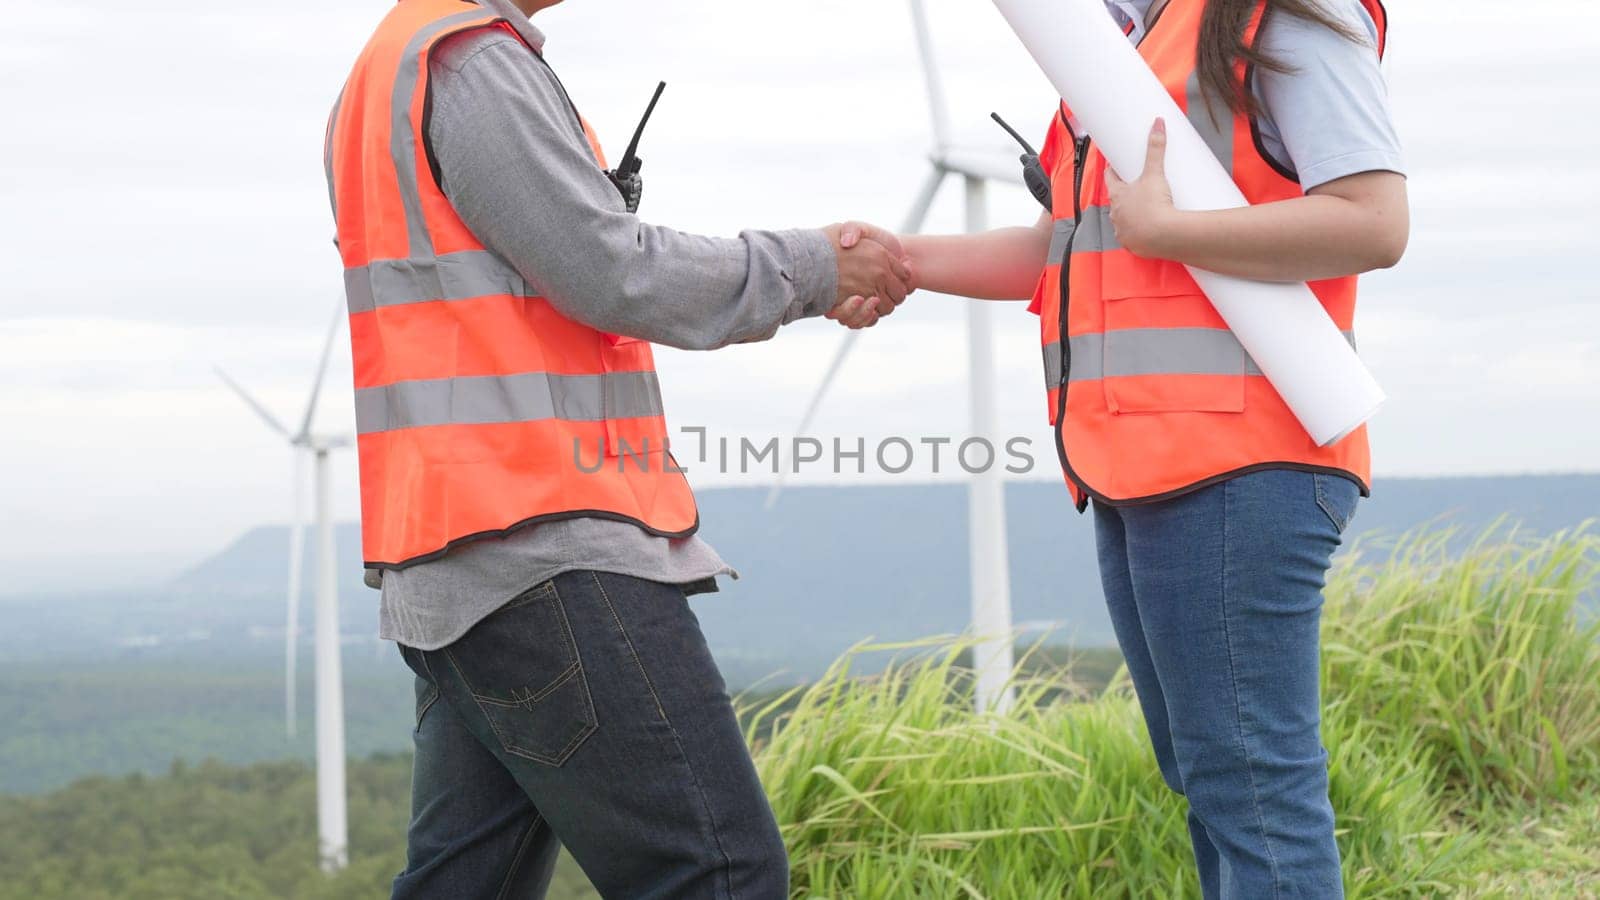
(1304, 239)
(1345, 227)
(1003, 264)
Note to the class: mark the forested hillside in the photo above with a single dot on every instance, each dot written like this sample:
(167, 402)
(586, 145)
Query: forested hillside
(66, 721)
(210, 832)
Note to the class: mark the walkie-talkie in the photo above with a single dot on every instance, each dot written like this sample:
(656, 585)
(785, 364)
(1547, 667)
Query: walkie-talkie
(626, 175)
(1033, 173)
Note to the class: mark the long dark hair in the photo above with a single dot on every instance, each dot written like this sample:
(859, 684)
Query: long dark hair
(1222, 44)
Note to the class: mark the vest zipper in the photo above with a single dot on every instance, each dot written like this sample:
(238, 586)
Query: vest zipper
(1081, 150)
(1081, 145)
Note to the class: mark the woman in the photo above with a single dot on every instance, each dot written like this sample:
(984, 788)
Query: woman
(1215, 514)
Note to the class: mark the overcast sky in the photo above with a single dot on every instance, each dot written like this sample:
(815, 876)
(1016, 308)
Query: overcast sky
(164, 210)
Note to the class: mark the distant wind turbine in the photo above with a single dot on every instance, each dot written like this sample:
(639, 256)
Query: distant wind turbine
(993, 655)
(332, 827)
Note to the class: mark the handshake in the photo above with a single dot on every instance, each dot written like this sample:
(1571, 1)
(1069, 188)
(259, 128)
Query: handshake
(874, 274)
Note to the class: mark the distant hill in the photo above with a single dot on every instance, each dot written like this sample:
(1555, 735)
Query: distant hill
(833, 565)
(829, 567)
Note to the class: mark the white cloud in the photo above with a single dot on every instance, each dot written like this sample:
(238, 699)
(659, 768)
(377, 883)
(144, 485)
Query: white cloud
(165, 210)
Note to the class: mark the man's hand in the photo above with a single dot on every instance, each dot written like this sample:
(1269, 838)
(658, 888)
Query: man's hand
(855, 313)
(1142, 210)
(874, 274)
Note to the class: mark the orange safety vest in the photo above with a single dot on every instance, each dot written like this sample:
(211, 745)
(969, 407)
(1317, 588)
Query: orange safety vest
(479, 408)
(1150, 393)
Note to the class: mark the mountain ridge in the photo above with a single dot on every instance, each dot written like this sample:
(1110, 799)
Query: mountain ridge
(829, 567)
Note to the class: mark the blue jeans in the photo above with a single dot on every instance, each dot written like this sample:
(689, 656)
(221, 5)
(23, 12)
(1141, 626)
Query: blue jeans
(586, 712)
(1216, 598)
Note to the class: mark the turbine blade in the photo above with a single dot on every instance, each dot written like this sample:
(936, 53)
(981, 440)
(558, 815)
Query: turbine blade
(930, 75)
(291, 625)
(913, 223)
(984, 164)
(839, 357)
(253, 403)
(322, 370)
(919, 210)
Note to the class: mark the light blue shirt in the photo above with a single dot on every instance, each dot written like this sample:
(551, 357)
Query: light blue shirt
(1328, 118)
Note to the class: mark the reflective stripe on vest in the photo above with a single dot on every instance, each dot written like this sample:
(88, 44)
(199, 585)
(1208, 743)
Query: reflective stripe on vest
(475, 399)
(502, 399)
(1158, 396)
(402, 138)
(457, 276)
(1092, 234)
(1152, 351)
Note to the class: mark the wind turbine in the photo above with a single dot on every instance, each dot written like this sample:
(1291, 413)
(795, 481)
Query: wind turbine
(332, 820)
(993, 654)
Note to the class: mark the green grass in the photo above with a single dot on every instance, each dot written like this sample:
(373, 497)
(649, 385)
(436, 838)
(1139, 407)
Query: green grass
(1462, 717)
(1463, 697)
(1548, 852)
(1479, 665)
(887, 787)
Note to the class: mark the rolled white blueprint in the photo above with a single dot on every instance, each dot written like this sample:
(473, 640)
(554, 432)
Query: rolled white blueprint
(1117, 98)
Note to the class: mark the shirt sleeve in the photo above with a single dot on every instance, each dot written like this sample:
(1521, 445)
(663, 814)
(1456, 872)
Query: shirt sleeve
(515, 165)
(1328, 117)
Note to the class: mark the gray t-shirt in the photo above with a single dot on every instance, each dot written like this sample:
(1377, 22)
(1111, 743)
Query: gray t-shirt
(1327, 118)
(517, 168)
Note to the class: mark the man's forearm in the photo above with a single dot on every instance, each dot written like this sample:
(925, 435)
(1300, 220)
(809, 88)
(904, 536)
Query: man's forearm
(624, 276)
(516, 168)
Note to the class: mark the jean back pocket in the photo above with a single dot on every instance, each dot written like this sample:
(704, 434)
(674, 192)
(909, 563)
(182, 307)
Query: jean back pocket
(1338, 497)
(523, 670)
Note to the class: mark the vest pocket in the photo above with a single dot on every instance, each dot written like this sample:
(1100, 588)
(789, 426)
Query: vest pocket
(1165, 348)
(635, 416)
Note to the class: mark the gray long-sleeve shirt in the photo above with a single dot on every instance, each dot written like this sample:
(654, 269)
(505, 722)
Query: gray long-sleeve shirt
(515, 164)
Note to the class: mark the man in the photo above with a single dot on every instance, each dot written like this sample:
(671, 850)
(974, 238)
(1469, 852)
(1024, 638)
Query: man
(534, 538)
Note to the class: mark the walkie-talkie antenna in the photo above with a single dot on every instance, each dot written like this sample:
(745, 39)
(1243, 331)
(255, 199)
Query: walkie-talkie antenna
(630, 160)
(1033, 173)
(1013, 132)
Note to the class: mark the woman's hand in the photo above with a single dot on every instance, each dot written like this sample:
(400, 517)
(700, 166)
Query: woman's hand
(1142, 210)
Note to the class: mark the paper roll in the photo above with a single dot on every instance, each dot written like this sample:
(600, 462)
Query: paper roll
(1117, 99)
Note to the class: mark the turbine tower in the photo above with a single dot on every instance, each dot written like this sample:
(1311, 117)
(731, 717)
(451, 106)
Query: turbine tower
(993, 654)
(332, 825)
